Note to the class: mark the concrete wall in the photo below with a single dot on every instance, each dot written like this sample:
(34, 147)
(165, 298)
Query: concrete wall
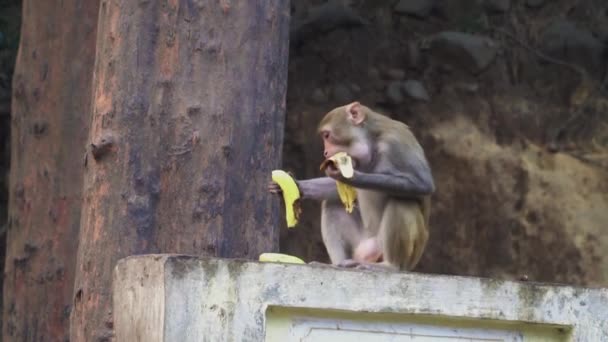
(181, 298)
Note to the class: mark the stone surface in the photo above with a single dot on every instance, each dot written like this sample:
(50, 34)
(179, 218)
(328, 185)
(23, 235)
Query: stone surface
(413, 55)
(564, 40)
(395, 74)
(319, 96)
(497, 5)
(416, 90)
(472, 52)
(535, 3)
(342, 93)
(181, 298)
(418, 8)
(394, 92)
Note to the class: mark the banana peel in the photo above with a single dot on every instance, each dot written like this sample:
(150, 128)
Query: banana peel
(348, 196)
(283, 258)
(291, 196)
(347, 193)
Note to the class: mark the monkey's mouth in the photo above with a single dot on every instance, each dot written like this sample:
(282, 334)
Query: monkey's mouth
(339, 162)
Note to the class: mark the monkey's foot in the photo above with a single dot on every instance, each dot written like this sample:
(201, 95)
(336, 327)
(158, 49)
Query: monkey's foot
(348, 263)
(316, 263)
(376, 267)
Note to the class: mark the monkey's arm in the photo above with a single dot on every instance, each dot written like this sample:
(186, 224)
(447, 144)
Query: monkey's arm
(414, 181)
(318, 188)
(398, 185)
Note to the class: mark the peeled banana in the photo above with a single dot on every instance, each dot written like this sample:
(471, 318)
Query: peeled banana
(347, 193)
(291, 196)
(277, 257)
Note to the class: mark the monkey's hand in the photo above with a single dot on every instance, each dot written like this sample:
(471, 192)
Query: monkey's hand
(274, 188)
(339, 166)
(333, 172)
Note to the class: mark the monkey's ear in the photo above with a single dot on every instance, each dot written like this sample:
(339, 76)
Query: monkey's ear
(356, 115)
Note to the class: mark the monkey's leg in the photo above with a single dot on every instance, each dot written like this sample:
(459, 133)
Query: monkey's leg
(368, 250)
(341, 231)
(422, 238)
(402, 234)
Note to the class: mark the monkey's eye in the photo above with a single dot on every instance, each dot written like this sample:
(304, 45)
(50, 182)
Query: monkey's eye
(325, 135)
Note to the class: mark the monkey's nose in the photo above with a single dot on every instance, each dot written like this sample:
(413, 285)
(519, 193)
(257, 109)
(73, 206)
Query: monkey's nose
(325, 154)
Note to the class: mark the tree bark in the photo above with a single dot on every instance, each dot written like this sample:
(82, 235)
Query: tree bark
(50, 118)
(188, 115)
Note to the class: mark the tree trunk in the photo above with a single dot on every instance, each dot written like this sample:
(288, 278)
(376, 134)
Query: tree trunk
(188, 112)
(50, 118)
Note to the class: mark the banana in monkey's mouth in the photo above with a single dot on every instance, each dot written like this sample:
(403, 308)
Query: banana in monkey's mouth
(344, 163)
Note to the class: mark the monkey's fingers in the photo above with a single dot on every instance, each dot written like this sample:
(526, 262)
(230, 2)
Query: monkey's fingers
(333, 172)
(274, 188)
(341, 162)
(382, 267)
(348, 263)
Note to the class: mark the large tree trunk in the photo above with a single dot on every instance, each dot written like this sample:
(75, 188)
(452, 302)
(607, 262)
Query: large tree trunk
(188, 115)
(50, 109)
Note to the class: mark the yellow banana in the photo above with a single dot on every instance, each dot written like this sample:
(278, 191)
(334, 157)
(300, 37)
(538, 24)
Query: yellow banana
(347, 193)
(277, 257)
(291, 196)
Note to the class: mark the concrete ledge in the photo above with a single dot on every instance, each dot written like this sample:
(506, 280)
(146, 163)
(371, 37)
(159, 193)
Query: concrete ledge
(183, 298)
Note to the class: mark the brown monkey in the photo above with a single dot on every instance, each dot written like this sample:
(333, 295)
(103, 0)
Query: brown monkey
(393, 180)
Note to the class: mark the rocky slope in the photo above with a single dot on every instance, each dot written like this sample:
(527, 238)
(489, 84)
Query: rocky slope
(507, 98)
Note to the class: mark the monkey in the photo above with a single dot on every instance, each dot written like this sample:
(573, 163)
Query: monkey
(389, 227)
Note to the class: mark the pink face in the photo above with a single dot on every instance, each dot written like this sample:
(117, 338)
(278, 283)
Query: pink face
(358, 147)
(342, 131)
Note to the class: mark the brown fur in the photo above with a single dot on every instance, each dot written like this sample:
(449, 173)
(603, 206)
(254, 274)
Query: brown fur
(397, 221)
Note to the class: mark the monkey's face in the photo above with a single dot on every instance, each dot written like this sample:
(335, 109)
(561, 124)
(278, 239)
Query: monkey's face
(341, 133)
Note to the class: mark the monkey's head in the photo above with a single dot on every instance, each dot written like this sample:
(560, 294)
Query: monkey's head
(343, 130)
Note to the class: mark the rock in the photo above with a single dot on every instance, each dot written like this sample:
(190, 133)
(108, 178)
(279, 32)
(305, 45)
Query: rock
(342, 94)
(601, 31)
(418, 8)
(384, 17)
(373, 73)
(535, 3)
(395, 74)
(413, 55)
(460, 12)
(323, 19)
(472, 52)
(497, 6)
(415, 90)
(394, 92)
(355, 88)
(563, 40)
(319, 96)
(467, 87)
